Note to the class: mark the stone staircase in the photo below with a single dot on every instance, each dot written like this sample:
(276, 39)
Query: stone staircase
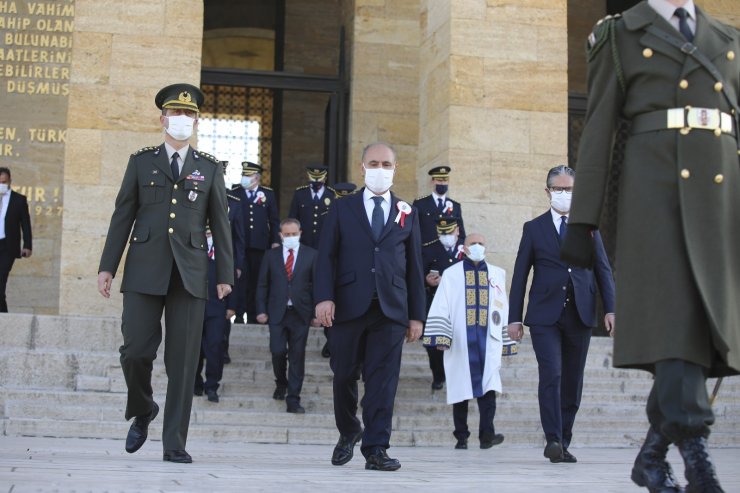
(60, 377)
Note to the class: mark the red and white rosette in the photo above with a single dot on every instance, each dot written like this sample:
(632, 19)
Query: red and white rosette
(261, 197)
(404, 209)
(460, 252)
(448, 207)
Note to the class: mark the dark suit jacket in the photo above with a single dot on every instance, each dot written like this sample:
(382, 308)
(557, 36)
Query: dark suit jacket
(436, 257)
(540, 248)
(274, 289)
(169, 223)
(17, 221)
(351, 265)
(428, 212)
(236, 219)
(309, 214)
(261, 219)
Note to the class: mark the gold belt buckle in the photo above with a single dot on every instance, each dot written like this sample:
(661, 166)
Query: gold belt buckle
(704, 118)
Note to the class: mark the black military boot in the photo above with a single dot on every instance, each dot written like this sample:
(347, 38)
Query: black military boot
(651, 469)
(699, 468)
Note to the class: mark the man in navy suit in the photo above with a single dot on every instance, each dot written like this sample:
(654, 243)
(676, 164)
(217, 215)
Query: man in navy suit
(285, 301)
(437, 204)
(14, 219)
(370, 294)
(561, 312)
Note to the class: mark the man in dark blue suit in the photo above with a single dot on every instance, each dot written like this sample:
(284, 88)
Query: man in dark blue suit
(370, 294)
(561, 312)
(311, 203)
(437, 204)
(262, 226)
(14, 220)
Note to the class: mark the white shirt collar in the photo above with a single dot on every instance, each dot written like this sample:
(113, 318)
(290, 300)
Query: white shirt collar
(666, 9)
(286, 249)
(367, 195)
(437, 197)
(556, 217)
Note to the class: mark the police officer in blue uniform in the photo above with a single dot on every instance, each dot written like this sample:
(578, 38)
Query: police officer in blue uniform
(311, 203)
(438, 204)
(437, 255)
(262, 225)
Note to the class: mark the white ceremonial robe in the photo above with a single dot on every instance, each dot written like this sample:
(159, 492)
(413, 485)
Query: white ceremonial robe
(449, 303)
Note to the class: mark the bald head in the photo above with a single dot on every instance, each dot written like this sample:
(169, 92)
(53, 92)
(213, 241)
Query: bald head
(475, 238)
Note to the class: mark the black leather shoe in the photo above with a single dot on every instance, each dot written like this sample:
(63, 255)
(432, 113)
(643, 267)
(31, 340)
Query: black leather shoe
(140, 430)
(554, 451)
(651, 470)
(325, 350)
(296, 409)
(279, 394)
(379, 461)
(212, 395)
(568, 457)
(462, 444)
(490, 441)
(437, 385)
(345, 449)
(179, 456)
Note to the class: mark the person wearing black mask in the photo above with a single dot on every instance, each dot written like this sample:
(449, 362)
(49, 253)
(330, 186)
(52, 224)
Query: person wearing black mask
(437, 204)
(311, 203)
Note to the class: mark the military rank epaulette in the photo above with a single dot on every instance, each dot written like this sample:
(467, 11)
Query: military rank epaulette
(423, 197)
(266, 187)
(430, 242)
(600, 34)
(331, 189)
(147, 149)
(233, 197)
(206, 155)
(302, 187)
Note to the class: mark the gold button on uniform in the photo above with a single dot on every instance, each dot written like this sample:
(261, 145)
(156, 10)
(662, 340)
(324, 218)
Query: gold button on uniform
(730, 55)
(719, 179)
(684, 84)
(647, 52)
(717, 132)
(171, 230)
(685, 131)
(175, 187)
(151, 184)
(174, 201)
(685, 173)
(172, 215)
(718, 87)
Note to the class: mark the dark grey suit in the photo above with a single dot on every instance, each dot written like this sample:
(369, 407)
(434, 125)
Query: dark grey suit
(17, 220)
(288, 325)
(166, 268)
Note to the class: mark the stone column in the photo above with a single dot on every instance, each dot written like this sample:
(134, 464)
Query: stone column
(124, 52)
(385, 86)
(494, 105)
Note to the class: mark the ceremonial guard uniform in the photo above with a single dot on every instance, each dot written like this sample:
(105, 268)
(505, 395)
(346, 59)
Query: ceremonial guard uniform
(675, 75)
(437, 204)
(311, 203)
(438, 258)
(262, 226)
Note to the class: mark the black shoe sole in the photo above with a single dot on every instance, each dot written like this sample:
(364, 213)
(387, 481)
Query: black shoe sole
(555, 459)
(374, 467)
(351, 451)
(154, 415)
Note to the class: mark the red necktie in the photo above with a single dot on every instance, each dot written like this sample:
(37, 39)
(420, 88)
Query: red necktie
(289, 264)
(211, 251)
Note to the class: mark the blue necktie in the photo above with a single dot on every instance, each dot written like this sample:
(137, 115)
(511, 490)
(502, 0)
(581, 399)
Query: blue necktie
(174, 167)
(683, 25)
(377, 221)
(563, 226)
(440, 205)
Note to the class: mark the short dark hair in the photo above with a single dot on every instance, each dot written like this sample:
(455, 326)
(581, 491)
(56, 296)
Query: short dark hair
(557, 171)
(5, 171)
(290, 220)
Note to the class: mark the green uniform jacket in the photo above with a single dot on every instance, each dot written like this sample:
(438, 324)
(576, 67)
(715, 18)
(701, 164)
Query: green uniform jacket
(678, 223)
(169, 222)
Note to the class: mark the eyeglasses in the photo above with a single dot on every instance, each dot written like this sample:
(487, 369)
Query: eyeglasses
(561, 189)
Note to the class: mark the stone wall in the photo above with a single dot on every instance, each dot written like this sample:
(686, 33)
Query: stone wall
(124, 52)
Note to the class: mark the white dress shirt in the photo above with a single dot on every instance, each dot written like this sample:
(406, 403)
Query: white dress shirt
(181, 153)
(4, 201)
(666, 10)
(367, 197)
(319, 194)
(285, 260)
(556, 219)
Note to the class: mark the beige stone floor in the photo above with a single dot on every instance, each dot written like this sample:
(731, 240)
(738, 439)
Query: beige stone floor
(91, 465)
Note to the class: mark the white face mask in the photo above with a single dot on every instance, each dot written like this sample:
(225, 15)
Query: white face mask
(291, 242)
(180, 127)
(246, 181)
(378, 180)
(448, 241)
(561, 201)
(476, 252)
(4, 187)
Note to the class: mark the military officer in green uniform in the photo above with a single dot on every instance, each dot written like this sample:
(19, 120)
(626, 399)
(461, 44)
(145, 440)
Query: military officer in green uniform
(168, 195)
(674, 73)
